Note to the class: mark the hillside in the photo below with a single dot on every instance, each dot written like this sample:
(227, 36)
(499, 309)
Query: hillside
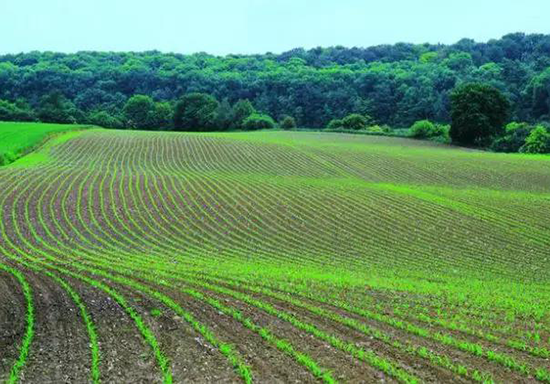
(273, 257)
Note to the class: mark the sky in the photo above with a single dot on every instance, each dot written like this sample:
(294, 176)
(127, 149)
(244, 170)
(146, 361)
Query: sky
(256, 26)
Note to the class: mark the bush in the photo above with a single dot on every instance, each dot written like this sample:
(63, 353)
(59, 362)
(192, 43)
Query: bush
(513, 139)
(6, 158)
(288, 122)
(538, 141)
(241, 110)
(104, 119)
(335, 124)
(376, 129)
(258, 121)
(425, 129)
(478, 113)
(355, 121)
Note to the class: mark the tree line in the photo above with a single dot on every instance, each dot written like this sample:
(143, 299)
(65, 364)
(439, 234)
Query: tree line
(394, 85)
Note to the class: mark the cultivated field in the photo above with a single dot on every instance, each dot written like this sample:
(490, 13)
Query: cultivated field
(273, 257)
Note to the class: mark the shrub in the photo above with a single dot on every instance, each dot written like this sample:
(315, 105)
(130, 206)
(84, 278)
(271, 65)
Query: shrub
(258, 121)
(425, 129)
(288, 122)
(513, 139)
(335, 124)
(6, 158)
(538, 141)
(355, 121)
(386, 128)
(104, 119)
(241, 110)
(376, 129)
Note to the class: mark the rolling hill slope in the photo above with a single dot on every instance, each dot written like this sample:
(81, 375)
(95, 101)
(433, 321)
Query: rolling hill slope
(273, 257)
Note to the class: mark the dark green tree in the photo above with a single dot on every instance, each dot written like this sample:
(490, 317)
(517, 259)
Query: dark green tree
(478, 113)
(138, 111)
(513, 138)
(224, 116)
(288, 122)
(196, 112)
(162, 116)
(241, 110)
(15, 111)
(55, 108)
(540, 94)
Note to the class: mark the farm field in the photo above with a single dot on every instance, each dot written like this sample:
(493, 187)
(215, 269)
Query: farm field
(272, 257)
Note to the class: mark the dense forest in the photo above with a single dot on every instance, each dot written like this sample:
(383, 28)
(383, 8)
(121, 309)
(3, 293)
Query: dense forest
(394, 84)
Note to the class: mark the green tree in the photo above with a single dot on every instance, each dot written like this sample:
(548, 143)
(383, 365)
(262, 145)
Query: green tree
(224, 115)
(55, 108)
(538, 141)
(540, 94)
(15, 112)
(162, 116)
(241, 110)
(258, 121)
(478, 113)
(138, 112)
(196, 112)
(288, 122)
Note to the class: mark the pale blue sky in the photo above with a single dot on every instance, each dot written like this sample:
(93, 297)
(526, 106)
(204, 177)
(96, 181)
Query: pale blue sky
(256, 26)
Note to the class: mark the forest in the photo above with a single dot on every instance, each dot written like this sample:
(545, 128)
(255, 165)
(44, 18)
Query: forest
(396, 85)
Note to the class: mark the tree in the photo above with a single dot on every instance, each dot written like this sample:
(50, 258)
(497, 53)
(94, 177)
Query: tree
(138, 111)
(538, 141)
(162, 116)
(55, 108)
(224, 115)
(288, 122)
(241, 110)
(15, 112)
(478, 113)
(196, 112)
(396, 84)
(258, 121)
(540, 94)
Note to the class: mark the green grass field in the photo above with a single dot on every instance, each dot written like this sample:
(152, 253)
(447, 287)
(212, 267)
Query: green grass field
(272, 257)
(17, 139)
